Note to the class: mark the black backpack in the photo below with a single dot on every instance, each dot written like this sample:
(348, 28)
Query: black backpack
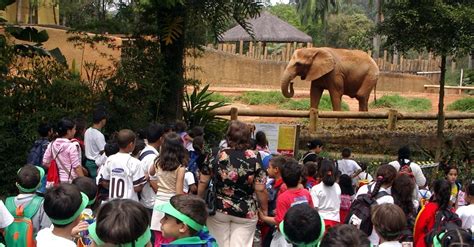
(359, 213)
(35, 156)
(445, 220)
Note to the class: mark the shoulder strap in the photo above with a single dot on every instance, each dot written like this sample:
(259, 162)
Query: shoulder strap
(366, 175)
(33, 206)
(10, 205)
(144, 154)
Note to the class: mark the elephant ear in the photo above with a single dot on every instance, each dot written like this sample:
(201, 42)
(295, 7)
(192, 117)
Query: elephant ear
(323, 63)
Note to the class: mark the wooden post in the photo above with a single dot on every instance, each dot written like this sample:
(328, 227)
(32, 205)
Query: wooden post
(392, 119)
(265, 53)
(234, 113)
(251, 49)
(241, 47)
(259, 49)
(219, 46)
(288, 48)
(297, 141)
(308, 45)
(313, 120)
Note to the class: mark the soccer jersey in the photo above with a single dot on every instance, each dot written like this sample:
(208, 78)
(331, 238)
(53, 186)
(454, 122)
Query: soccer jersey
(123, 172)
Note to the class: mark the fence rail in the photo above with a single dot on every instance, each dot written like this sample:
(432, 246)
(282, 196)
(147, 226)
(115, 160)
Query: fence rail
(392, 116)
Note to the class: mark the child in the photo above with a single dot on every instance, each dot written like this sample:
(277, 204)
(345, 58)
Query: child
(63, 205)
(454, 238)
(94, 141)
(402, 193)
(466, 213)
(311, 170)
(28, 181)
(169, 170)
(295, 194)
(364, 177)
(303, 226)
(345, 236)
(180, 128)
(424, 194)
(87, 186)
(121, 173)
(189, 185)
(262, 142)
(185, 220)
(139, 146)
(110, 149)
(348, 166)
(347, 194)
(451, 175)
(315, 148)
(121, 223)
(389, 221)
(327, 195)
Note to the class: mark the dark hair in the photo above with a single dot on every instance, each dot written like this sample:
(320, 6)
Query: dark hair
(64, 125)
(345, 236)
(62, 202)
(346, 152)
(87, 186)
(442, 193)
(198, 143)
(192, 206)
(457, 238)
(315, 143)
(298, 216)
(44, 128)
(470, 189)
(389, 220)
(125, 137)
(327, 172)
(180, 126)
(98, 115)
(111, 148)
(28, 177)
(404, 153)
(345, 182)
(363, 166)
(253, 144)
(291, 173)
(81, 125)
(448, 168)
(278, 162)
(311, 169)
(168, 127)
(196, 131)
(261, 139)
(402, 193)
(385, 175)
(121, 221)
(238, 135)
(141, 134)
(139, 146)
(172, 153)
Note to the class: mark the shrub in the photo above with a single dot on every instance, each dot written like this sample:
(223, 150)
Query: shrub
(464, 104)
(217, 97)
(263, 98)
(324, 104)
(402, 103)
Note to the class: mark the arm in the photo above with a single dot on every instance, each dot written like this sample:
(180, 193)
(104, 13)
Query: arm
(267, 219)
(193, 188)
(180, 180)
(262, 196)
(203, 182)
(356, 173)
(79, 171)
(420, 178)
(47, 157)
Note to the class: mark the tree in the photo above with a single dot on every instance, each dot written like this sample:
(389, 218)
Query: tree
(349, 31)
(441, 26)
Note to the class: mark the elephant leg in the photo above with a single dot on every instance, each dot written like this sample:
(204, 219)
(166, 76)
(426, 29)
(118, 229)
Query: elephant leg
(315, 95)
(336, 98)
(363, 94)
(363, 103)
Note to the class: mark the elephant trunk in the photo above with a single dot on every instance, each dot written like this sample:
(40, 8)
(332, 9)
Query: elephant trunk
(286, 84)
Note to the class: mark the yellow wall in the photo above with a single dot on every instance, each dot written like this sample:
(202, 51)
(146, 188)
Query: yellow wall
(45, 12)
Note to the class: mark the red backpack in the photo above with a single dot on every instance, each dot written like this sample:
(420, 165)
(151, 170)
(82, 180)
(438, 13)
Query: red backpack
(52, 178)
(405, 168)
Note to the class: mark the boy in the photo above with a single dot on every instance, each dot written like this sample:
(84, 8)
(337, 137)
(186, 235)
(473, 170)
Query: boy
(189, 185)
(389, 221)
(466, 213)
(28, 180)
(303, 226)
(94, 141)
(348, 166)
(122, 173)
(35, 156)
(185, 220)
(345, 235)
(63, 205)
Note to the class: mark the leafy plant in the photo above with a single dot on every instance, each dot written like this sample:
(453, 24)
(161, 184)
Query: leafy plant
(263, 98)
(324, 104)
(402, 103)
(464, 104)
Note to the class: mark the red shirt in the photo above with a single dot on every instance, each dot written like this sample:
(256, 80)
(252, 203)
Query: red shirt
(290, 198)
(424, 223)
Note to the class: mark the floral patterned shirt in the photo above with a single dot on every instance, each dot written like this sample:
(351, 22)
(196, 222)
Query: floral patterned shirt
(237, 171)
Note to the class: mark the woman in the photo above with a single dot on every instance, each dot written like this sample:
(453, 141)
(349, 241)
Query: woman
(66, 153)
(402, 193)
(238, 174)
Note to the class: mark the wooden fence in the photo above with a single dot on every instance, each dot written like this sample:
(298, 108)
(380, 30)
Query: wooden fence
(314, 115)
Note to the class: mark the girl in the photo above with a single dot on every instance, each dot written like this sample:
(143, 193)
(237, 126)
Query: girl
(66, 153)
(451, 175)
(426, 217)
(385, 176)
(262, 142)
(347, 193)
(169, 170)
(326, 196)
(402, 193)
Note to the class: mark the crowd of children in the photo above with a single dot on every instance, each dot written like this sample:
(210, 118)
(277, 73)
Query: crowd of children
(160, 187)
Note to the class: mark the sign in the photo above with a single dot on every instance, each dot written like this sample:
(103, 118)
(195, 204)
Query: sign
(281, 138)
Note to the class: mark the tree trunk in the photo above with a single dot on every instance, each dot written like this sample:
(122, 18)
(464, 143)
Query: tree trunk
(19, 6)
(378, 20)
(439, 132)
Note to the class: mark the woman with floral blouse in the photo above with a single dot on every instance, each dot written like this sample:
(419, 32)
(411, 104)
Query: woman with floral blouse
(239, 174)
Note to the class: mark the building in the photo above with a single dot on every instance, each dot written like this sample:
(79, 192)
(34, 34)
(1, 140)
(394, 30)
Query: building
(21, 12)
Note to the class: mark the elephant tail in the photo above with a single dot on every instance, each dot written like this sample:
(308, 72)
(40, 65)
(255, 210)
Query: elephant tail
(375, 94)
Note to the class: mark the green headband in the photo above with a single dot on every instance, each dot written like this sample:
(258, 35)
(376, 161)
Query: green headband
(143, 240)
(69, 220)
(167, 208)
(91, 202)
(315, 243)
(25, 190)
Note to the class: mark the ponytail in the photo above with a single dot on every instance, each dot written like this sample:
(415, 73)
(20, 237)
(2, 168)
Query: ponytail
(385, 176)
(327, 172)
(378, 184)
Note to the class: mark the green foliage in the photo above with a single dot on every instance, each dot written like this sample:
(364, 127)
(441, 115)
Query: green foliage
(29, 34)
(217, 97)
(324, 104)
(263, 98)
(287, 12)
(464, 104)
(5, 3)
(350, 31)
(402, 103)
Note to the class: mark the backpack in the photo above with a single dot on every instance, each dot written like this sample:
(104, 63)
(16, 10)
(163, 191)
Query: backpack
(359, 212)
(52, 178)
(20, 232)
(405, 168)
(35, 156)
(424, 198)
(445, 220)
(206, 241)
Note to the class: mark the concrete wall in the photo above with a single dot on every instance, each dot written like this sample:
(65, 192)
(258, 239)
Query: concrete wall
(223, 69)
(45, 12)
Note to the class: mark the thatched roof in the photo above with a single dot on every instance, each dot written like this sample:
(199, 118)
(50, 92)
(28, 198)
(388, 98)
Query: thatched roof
(267, 28)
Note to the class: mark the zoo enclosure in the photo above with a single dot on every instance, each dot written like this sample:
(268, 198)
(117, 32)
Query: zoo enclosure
(391, 115)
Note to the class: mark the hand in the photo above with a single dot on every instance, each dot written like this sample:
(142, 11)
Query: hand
(261, 214)
(82, 226)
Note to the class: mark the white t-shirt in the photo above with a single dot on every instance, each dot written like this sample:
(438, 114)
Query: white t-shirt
(363, 176)
(420, 178)
(147, 194)
(466, 213)
(391, 244)
(188, 180)
(94, 142)
(327, 199)
(5, 217)
(348, 166)
(46, 238)
(123, 172)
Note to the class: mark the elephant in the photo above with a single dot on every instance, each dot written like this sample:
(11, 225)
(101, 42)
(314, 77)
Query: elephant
(340, 71)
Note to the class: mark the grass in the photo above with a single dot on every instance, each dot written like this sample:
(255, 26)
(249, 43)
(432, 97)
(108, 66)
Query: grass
(217, 97)
(324, 104)
(402, 103)
(464, 104)
(263, 98)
